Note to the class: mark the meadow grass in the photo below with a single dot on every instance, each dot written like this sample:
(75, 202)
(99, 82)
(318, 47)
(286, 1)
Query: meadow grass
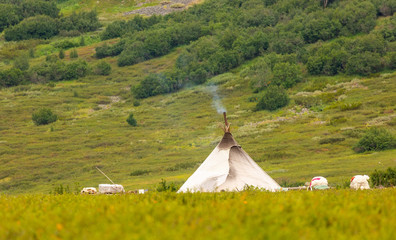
(177, 131)
(332, 214)
(108, 10)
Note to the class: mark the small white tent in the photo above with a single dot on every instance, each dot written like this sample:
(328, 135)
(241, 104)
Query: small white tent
(228, 168)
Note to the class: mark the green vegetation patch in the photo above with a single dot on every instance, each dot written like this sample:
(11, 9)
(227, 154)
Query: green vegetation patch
(258, 215)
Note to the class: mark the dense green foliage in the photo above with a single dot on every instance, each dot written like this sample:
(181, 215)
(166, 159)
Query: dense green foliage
(131, 120)
(102, 68)
(22, 63)
(273, 98)
(11, 77)
(9, 15)
(155, 84)
(242, 215)
(376, 139)
(385, 178)
(73, 53)
(34, 27)
(12, 12)
(119, 28)
(47, 26)
(224, 34)
(44, 116)
(58, 70)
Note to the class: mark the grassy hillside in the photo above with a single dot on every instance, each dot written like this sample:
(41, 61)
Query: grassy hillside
(313, 135)
(335, 214)
(182, 128)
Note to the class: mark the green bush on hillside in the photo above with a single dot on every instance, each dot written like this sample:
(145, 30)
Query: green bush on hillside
(376, 139)
(102, 68)
(384, 178)
(55, 70)
(9, 15)
(82, 22)
(39, 27)
(273, 98)
(120, 28)
(73, 53)
(286, 74)
(131, 120)
(364, 63)
(11, 77)
(61, 54)
(22, 62)
(44, 116)
(154, 84)
(165, 187)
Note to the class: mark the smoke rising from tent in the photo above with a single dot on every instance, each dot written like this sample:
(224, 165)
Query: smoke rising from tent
(216, 100)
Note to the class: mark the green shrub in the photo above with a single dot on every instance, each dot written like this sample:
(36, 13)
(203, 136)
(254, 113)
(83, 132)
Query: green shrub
(353, 133)
(102, 68)
(82, 41)
(133, 54)
(337, 120)
(384, 178)
(164, 187)
(75, 70)
(61, 54)
(376, 139)
(65, 44)
(55, 70)
(106, 50)
(131, 120)
(273, 98)
(31, 53)
(22, 62)
(331, 140)
(286, 74)
(364, 63)
(136, 103)
(307, 101)
(44, 116)
(73, 53)
(9, 15)
(82, 22)
(181, 166)
(41, 27)
(350, 106)
(31, 8)
(11, 77)
(139, 172)
(154, 84)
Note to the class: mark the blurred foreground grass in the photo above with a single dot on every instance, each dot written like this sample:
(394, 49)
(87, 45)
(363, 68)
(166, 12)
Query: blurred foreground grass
(333, 214)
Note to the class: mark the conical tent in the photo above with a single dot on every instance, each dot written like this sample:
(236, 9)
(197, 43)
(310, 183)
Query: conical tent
(228, 168)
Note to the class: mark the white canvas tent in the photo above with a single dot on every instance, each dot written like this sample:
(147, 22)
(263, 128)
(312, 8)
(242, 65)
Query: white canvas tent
(228, 168)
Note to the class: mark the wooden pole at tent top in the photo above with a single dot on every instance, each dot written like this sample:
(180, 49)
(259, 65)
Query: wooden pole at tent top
(227, 125)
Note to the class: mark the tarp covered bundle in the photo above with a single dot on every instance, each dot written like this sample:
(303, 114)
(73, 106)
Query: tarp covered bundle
(228, 168)
(110, 188)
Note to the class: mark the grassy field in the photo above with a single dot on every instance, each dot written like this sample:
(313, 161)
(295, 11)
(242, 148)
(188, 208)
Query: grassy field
(182, 128)
(333, 214)
(108, 10)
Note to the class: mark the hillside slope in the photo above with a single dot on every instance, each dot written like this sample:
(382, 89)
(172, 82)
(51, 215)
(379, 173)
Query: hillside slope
(330, 108)
(177, 131)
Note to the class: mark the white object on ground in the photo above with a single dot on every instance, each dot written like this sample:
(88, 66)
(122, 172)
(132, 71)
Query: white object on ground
(318, 181)
(110, 188)
(141, 191)
(89, 190)
(360, 182)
